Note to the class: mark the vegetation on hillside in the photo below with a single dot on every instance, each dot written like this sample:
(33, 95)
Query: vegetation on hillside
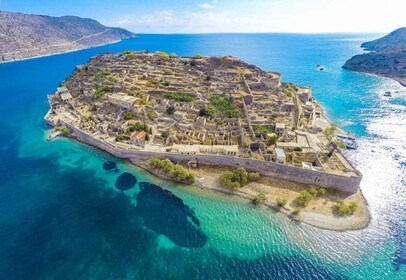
(224, 106)
(180, 97)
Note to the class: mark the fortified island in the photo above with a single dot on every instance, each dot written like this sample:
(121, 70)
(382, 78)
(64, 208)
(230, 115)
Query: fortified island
(205, 115)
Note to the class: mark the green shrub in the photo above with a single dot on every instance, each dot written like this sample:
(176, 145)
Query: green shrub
(296, 212)
(343, 209)
(127, 115)
(167, 72)
(139, 127)
(272, 140)
(162, 55)
(226, 180)
(297, 149)
(304, 198)
(165, 134)
(224, 106)
(99, 91)
(171, 110)
(180, 97)
(237, 178)
(151, 115)
(64, 130)
(322, 191)
(314, 192)
(259, 198)
(253, 177)
(207, 112)
(281, 201)
(197, 56)
(263, 130)
(175, 171)
(120, 137)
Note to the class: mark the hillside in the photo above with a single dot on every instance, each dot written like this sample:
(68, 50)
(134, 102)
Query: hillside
(387, 57)
(24, 36)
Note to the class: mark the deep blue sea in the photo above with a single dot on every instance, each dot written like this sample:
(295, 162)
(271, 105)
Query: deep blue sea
(62, 217)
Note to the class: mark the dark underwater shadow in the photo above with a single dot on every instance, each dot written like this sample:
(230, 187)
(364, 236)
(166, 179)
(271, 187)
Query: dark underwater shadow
(167, 214)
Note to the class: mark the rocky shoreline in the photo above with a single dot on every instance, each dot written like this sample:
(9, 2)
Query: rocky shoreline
(325, 221)
(31, 36)
(387, 57)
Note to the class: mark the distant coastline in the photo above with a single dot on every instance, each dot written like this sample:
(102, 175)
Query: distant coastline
(24, 36)
(387, 57)
(59, 53)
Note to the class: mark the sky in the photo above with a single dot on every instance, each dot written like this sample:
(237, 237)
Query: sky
(212, 16)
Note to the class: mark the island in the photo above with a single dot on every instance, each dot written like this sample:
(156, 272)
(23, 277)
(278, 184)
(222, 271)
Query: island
(25, 36)
(217, 123)
(387, 57)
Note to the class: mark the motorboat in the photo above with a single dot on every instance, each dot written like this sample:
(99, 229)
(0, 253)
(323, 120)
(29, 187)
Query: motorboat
(349, 142)
(387, 94)
(320, 67)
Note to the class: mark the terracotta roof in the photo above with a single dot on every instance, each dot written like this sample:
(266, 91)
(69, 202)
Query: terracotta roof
(140, 135)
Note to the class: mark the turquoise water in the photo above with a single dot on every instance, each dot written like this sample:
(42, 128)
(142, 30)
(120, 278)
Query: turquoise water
(61, 216)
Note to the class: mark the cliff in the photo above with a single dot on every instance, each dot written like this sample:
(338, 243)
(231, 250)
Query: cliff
(24, 36)
(387, 57)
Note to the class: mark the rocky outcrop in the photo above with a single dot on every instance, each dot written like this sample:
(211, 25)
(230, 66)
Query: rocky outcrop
(24, 36)
(387, 57)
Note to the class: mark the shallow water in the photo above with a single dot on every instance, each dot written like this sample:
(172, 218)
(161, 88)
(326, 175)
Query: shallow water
(63, 217)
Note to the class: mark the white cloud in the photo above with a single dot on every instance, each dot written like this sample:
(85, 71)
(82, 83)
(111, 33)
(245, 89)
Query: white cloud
(206, 6)
(307, 16)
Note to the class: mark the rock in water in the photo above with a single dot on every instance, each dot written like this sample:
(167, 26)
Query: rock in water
(125, 181)
(109, 165)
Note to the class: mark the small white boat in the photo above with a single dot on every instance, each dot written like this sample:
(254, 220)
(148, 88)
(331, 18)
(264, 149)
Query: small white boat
(320, 67)
(349, 142)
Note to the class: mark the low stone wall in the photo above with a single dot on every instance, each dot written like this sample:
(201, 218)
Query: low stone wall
(280, 171)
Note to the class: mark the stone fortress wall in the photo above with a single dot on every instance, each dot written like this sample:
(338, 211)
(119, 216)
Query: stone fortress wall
(349, 184)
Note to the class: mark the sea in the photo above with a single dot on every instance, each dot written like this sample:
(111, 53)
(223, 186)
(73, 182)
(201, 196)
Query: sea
(63, 217)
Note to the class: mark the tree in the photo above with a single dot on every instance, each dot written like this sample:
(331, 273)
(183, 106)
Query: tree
(281, 201)
(343, 209)
(240, 175)
(226, 180)
(165, 134)
(330, 133)
(259, 198)
(253, 177)
(304, 198)
(171, 110)
(272, 140)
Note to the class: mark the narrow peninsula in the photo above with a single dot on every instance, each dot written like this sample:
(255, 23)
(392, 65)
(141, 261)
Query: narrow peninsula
(387, 57)
(218, 123)
(25, 36)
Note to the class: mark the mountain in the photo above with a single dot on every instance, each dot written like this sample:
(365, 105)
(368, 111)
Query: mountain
(392, 41)
(387, 57)
(24, 36)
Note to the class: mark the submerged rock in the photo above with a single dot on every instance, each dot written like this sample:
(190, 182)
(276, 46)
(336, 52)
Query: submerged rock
(167, 214)
(109, 165)
(125, 181)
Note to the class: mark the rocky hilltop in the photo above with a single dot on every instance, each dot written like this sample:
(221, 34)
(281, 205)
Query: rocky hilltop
(387, 57)
(24, 36)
